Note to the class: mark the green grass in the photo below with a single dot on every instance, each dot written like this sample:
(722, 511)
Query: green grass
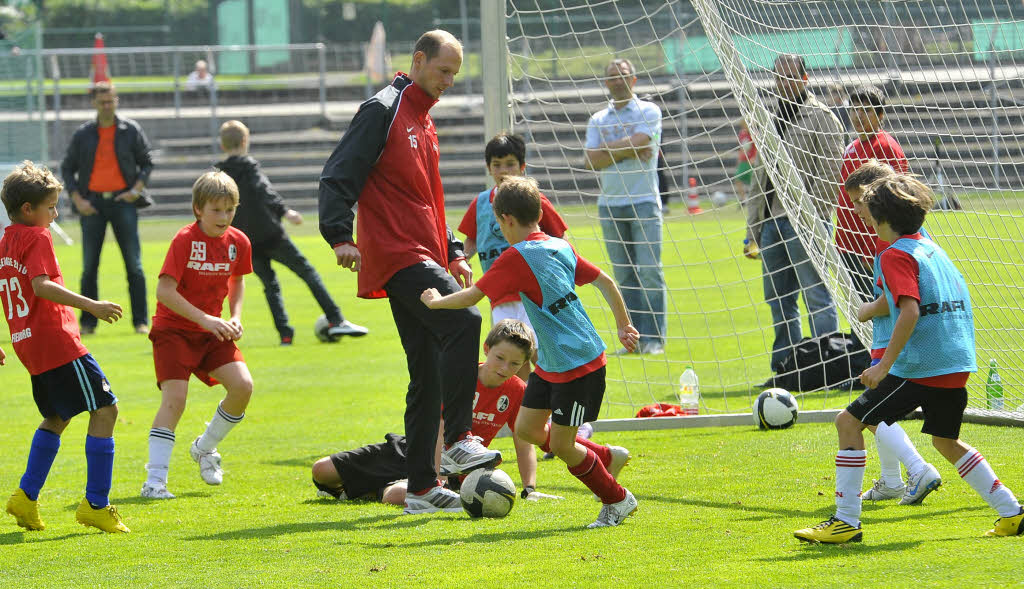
(717, 506)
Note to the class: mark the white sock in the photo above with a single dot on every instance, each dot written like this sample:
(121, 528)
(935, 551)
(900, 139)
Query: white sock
(897, 439)
(975, 470)
(217, 429)
(849, 480)
(888, 461)
(161, 443)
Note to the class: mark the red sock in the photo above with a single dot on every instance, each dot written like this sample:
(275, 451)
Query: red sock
(592, 473)
(427, 490)
(603, 452)
(461, 437)
(546, 446)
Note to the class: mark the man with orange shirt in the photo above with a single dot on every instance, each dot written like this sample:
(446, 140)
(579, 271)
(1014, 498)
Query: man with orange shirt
(105, 169)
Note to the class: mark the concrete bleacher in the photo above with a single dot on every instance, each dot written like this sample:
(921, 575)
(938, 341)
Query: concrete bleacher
(294, 140)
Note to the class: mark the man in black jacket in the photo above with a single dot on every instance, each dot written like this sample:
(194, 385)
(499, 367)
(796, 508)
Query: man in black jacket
(260, 209)
(106, 167)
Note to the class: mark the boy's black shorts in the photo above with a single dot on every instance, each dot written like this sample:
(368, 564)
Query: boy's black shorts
(368, 470)
(73, 388)
(896, 397)
(571, 403)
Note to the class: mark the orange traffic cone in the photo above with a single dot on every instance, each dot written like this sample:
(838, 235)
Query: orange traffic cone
(99, 71)
(692, 200)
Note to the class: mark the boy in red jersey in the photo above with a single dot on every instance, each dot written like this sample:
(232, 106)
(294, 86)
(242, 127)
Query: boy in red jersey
(855, 239)
(378, 470)
(505, 155)
(66, 380)
(204, 265)
(568, 384)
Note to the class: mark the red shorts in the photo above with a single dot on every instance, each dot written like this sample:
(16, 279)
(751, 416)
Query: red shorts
(179, 353)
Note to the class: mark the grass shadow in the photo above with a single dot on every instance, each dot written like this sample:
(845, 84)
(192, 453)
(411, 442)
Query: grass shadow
(138, 500)
(298, 528)
(22, 537)
(480, 538)
(736, 506)
(306, 462)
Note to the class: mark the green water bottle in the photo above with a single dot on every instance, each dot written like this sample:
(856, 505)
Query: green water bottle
(994, 387)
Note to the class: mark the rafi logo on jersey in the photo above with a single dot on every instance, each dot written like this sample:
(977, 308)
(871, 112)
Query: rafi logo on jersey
(209, 267)
(481, 416)
(198, 251)
(943, 307)
(232, 252)
(562, 303)
(503, 404)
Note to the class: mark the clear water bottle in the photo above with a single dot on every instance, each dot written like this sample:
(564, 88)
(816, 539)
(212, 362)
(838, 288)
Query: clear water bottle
(689, 392)
(994, 387)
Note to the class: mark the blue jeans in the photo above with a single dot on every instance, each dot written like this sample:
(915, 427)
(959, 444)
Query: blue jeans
(124, 218)
(632, 235)
(788, 272)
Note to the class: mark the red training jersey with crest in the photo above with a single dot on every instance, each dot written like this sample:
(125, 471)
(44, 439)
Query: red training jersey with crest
(202, 266)
(852, 235)
(494, 407)
(44, 334)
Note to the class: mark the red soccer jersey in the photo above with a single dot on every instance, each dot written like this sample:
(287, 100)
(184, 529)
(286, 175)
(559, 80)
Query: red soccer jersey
(495, 407)
(44, 334)
(202, 266)
(852, 235)
(748, 151)
(550, 221)
(902, 278)
(511, 275)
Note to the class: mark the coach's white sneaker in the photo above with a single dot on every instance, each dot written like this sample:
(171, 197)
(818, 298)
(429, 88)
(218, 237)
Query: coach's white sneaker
(155, 491)
(346, 328)
(919, 486)
(467, 455)
(209, 464)
(880, 492)
(436, 499)
(613, 514)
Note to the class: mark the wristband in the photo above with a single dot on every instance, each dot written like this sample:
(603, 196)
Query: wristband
(526, 491)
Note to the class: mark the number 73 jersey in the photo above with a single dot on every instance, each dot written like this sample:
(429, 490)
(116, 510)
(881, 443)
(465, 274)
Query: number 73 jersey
(44, 334)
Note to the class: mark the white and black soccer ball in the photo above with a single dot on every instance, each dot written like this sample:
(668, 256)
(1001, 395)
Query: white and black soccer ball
(320, 328)
(487, 493)
(719, 198)
(775, 409)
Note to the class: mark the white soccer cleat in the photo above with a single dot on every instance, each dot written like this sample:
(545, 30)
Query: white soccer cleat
(436, 499)
(209, 464)
(613, 514)
(467, 455)
(325, 495)
(155, 491)
(880, 492)
(346, 328)
(918, 487)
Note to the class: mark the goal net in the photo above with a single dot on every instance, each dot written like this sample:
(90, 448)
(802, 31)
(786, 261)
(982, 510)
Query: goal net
(951, 73)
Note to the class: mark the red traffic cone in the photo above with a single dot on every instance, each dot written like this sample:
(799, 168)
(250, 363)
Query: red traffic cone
(692, 200)
(100, 70)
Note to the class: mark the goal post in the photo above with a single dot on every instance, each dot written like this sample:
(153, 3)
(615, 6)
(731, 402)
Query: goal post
(951, 73)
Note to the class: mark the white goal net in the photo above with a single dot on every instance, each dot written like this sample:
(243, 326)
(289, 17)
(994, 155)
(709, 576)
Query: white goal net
(951, 73)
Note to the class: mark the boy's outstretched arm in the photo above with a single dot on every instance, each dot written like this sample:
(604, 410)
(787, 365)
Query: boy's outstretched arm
(236, 292)
(628, 335)
(910, 311)
(876, 308)
(45, 288)
(466, 297)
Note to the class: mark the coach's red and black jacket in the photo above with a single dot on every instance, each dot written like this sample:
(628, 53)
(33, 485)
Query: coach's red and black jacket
(387, 160)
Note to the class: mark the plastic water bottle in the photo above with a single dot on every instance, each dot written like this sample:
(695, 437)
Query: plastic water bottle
(689, 392)
(751, 249)
(994, 387)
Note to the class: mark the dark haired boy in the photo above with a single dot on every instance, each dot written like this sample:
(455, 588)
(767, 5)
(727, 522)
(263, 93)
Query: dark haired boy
(927, 363)
(505, 155)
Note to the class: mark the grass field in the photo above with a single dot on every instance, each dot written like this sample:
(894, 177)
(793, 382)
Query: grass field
(717, 506)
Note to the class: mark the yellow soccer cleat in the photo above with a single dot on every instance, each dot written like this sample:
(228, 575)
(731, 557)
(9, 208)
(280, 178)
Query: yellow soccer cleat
(105, 518)
(1005, 526)
(25, 511)
(830, 531)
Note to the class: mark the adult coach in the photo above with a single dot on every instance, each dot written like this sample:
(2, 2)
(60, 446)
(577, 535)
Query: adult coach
(623, 141)
(105, 169)
(816, 140)
(387, 161)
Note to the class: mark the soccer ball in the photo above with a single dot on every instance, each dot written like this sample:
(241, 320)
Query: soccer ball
(719, 198)
(487, 493)
(775, 409)
(320, 328)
